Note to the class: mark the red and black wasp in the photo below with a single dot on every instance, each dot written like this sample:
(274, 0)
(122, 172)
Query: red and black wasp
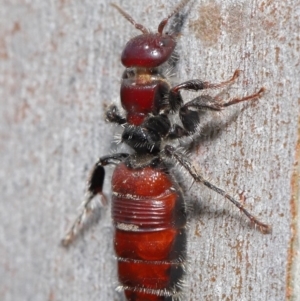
(148, 207)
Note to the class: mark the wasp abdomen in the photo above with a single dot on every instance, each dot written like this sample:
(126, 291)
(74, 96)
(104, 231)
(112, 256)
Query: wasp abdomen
(150, 241)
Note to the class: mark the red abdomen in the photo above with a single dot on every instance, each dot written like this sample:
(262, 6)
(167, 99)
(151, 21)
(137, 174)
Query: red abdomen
(149, 215)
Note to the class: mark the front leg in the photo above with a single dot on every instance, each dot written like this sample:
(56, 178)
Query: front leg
(113, 115)
(175, 98)
(95, 186)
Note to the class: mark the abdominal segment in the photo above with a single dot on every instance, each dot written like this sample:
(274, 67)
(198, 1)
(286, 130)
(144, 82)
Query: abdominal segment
(150, 236)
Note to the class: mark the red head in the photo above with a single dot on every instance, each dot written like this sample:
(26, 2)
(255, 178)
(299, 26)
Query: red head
(149, 50)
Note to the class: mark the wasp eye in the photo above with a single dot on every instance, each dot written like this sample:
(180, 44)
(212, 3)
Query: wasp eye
(164, 42)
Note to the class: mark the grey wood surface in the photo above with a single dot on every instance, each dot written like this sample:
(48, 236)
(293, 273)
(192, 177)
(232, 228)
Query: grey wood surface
(59, 70)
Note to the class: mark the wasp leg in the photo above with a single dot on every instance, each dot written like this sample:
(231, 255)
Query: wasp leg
(95, 185)
(172, 153)
(176, 132)
(113, 115)
(175, 98)
(189, 112)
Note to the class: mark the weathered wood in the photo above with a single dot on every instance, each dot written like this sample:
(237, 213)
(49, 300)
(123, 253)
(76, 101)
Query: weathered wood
(60, 68)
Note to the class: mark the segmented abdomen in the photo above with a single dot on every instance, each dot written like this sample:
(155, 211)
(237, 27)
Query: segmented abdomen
(150, 241)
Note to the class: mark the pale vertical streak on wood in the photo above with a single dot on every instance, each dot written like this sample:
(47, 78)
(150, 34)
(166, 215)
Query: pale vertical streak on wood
(293, 275)
(60, 67)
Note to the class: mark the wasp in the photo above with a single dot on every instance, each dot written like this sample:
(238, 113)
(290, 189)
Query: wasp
(149, 210)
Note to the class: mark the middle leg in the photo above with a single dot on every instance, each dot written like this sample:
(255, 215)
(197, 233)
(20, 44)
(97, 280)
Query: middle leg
(189, 112)
(95, 185)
